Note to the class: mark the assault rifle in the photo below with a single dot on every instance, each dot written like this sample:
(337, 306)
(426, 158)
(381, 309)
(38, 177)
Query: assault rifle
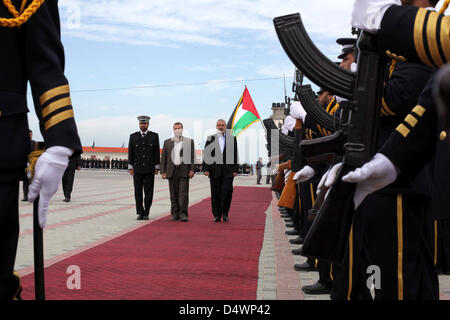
(328, 236)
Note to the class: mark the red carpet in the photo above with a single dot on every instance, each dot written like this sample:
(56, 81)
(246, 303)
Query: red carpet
(167, 260)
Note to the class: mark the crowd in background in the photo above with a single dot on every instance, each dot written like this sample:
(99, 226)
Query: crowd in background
(122, 164)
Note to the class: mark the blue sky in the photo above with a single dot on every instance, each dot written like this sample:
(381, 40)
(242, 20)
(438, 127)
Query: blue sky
(141, 43)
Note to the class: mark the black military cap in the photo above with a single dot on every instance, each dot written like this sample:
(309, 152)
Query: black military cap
(348, 46)
(144, 119)
(321, 90)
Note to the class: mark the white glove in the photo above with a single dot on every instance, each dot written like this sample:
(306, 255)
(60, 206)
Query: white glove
(304, 175)
(297, 111)
(354, 67)
(289, 124)
(367, 14)
(287, 174)
(374, 175)
(48, 173)
(329, 178)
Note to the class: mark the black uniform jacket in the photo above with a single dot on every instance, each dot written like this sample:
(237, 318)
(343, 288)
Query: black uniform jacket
(401, 93)
(144, 153)
(33, 52)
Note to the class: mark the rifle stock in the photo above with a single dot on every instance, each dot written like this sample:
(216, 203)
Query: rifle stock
(279, 180)
(287, 198)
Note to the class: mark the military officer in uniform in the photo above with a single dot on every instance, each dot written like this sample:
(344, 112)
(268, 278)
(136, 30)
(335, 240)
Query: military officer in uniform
(143, 163)
(30, 36)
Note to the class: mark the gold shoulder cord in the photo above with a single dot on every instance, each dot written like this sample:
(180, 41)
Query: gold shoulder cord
(23, 16)
(444, 6)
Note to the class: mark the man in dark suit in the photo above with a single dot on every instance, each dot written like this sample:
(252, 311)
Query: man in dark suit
(220, 164)
(69, 177)
(177, 165)
(143, 163)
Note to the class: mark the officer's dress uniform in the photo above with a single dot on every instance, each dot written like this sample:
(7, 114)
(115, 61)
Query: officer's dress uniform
(389, 226)
(34, 53)
(425, 39)
(308, 190)
(415, 34)
(144, 157)
(441, 205)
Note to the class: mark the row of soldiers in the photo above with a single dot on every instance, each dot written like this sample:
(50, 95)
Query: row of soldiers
(401, 228)
(114, 164)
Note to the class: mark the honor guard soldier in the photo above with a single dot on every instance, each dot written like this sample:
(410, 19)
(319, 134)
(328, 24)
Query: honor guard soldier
(309, 177)
(32, 51)
(408, 270)
(143, 163)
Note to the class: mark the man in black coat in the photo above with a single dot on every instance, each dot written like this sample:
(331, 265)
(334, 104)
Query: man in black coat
(143, 163)
(69, 177)
(220, 164)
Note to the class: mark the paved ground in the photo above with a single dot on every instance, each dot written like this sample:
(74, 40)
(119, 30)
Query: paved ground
(102, 209)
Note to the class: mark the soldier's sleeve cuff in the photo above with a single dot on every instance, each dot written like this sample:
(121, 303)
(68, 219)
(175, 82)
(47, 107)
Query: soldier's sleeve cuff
(130, 167)
(158, 167)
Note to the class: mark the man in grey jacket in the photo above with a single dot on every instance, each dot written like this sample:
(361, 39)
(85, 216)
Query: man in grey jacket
(177, 165)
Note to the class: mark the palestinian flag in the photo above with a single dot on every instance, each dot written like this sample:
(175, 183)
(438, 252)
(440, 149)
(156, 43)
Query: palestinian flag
(244, 115)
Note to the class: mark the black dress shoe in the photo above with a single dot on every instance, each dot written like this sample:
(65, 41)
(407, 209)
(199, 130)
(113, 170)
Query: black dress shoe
(145, 218)
(140, 217)
(216, 219)
(290, 225)
(297, 252)
(174, 218)
(292, 233)
(24, 199)
(298, 240)
(304, 267)
(184, 219)
(225, 219)
(66, 200)
(317, 288)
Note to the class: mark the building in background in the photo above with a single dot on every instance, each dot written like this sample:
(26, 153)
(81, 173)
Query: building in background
(278, 113)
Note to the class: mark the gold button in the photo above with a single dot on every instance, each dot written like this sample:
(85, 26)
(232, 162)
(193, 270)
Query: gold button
(443, 135)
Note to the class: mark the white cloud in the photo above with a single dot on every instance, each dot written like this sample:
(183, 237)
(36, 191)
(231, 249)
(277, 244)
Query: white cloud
(208, 22)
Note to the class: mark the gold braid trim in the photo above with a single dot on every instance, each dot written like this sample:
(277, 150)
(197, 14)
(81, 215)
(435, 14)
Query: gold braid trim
(444, 6)
(392, 67)
(19, 19)
(32, 159)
